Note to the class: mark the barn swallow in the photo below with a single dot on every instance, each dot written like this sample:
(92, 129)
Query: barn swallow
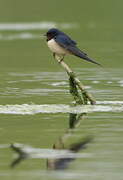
(61, 45)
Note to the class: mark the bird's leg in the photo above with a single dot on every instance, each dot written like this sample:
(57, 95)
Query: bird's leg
(54, 55)
(59, 58)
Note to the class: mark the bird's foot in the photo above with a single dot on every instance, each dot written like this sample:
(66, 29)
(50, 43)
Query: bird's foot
(60, 60)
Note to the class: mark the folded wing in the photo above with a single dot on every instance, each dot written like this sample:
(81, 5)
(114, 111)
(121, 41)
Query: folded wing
(70, 45)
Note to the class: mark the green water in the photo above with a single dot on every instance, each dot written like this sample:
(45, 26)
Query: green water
(30, 76)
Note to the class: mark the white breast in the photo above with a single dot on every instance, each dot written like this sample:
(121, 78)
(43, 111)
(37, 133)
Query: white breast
(54, 47)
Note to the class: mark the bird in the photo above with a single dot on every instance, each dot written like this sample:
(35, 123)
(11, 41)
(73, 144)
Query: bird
(61, 45)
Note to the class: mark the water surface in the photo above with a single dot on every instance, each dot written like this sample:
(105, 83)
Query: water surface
(35, 103)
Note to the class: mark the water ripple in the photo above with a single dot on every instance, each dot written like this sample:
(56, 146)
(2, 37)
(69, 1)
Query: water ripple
(111, 106)
(35, 26)
(42, 153)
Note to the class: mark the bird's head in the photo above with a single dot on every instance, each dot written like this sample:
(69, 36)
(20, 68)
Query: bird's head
(51, 33)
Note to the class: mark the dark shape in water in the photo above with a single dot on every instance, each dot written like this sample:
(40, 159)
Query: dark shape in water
(21, 153)
(62, 163)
